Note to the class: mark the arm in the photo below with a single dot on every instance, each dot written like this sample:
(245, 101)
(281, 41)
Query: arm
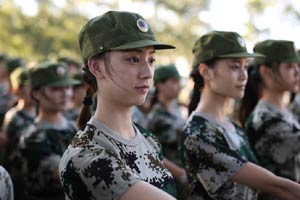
(145, 191)
(178, 172)
(261, 179)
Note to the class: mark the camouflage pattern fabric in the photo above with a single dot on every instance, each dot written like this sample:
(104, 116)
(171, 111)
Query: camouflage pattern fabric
(212, 154)
(41, 148)
(99, 164)
(275, 137)
(15, 122)
(295, 107)
(6, 186)
(167, 127)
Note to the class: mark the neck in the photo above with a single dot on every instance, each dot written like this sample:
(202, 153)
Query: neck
(274, 97)
(165, 101)
(118, 118)
(213, 105)
(55, 118)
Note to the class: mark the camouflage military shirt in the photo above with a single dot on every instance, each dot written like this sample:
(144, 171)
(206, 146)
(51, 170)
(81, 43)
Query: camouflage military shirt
(213, 153)
(99, 164)
(167, 126)
(295, 107)
(15, 122)
(41, 148)
(275, 137)
(6, 186)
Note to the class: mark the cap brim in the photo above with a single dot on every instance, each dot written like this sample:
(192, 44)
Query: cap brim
(64, 82)
(143, 43)
(242, 55)
(294, 59)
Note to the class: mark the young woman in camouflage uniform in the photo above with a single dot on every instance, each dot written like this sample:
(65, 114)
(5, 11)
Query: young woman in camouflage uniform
(295, 104)
(273, 131)
(166, 122)
(112, 158)
(217, 156)
(43, 143)
(16, 120)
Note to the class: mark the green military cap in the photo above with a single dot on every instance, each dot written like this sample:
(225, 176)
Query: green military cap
(116, 31)
(13, 63)
(220, 44)
(164, 72)
(19, 77)
(50, 74)
(276, 51)
(68, 60)
(79, 78)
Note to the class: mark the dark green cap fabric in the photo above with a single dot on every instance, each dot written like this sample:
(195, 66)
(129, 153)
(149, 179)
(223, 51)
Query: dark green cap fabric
(164, 72)
(116, 31)
(79, 78)
(220, 44)
(13, 63)
(19, 77)
(276, 51)
(50, 74)
(68, 61)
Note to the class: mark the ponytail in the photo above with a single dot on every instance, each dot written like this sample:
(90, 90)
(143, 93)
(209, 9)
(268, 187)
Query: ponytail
(91, 88)
(252, 93)
(198, 85)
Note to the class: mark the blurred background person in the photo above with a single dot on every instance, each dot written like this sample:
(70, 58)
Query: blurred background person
(75, 105)
(166, 122)
(16, 120)
(273, 132)
(43, 143)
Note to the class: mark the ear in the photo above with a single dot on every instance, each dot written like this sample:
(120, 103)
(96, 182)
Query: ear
(265, 71)
(96, 67)
(204, 71)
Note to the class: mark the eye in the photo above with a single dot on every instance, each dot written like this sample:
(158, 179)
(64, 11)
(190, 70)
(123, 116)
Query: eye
(152, 61)
(134, 59)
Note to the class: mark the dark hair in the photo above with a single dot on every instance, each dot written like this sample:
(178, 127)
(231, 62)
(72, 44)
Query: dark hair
(91, 88)
(253, 89)
(198, 85)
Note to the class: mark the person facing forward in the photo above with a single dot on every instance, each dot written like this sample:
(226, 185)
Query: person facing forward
(217, 155)
(110, 157)
(43, 143)
(273, 132)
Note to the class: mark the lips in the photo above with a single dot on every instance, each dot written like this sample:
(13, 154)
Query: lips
(142, 88)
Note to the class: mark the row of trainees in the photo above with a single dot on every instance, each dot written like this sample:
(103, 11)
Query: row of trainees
(111, 158)
(37, 129)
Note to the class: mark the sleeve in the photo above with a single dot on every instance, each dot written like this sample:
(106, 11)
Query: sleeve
(212, 162)
(6, 186)
(96, 175)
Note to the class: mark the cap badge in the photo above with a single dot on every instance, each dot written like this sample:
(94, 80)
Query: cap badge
(142, 25)
(241, 42)
(60, 70)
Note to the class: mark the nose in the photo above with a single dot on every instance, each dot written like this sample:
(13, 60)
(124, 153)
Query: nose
(68, 91)
(146, 71)
(243, 74)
